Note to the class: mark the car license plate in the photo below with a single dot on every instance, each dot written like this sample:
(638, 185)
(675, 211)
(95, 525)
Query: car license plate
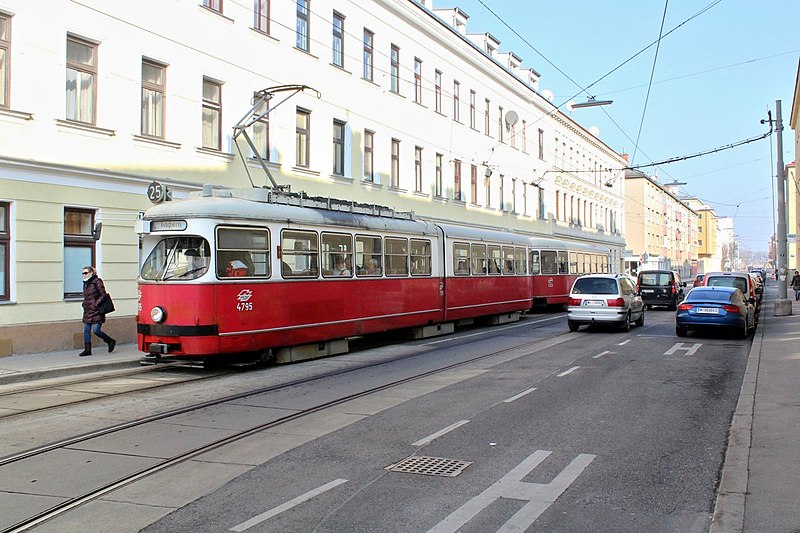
(593, 302)
(708, 310)
(648, 291)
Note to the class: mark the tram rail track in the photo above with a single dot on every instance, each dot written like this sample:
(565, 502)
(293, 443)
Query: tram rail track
(111, 485)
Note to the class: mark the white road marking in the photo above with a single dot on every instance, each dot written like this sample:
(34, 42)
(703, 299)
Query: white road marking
(498, 328)
(520, 395)
(690, 350)
(286, 506)
(601, 354)
(623, 343)
(538, 495)
(570, 371)
(448, 429)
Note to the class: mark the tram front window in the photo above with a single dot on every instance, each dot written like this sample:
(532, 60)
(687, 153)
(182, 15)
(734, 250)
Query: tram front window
(177, 258)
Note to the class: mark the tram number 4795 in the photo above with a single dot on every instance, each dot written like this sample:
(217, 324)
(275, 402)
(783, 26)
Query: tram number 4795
(244, 306)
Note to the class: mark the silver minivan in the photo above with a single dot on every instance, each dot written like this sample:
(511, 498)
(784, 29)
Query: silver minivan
(604, 299)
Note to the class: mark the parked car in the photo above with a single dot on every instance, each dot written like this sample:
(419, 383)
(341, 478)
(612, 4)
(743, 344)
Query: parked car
(604, 299)
(698, 280)
(661, 287)
(740, 280)
(715, 307)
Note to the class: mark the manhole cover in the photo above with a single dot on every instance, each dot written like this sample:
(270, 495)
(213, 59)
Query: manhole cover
(430, 466)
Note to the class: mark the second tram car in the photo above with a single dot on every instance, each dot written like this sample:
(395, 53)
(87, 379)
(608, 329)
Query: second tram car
(250, 271)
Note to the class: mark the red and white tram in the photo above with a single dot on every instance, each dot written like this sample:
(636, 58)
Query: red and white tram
(555, 264)
(250, 271)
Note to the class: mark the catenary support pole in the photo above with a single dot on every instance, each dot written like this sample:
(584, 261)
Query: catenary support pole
(783, 306)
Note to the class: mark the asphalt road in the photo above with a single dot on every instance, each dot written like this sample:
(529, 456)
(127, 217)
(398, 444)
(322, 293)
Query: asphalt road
(586, 431)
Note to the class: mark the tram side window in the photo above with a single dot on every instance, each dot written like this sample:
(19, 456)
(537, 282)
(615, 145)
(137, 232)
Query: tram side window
(562, 262)
(461, 259)
(494, 259)
(242, 253)
(519, 261)
(369, 256)
(575, 262)
(535, 265)
(396, 253)
(478, 253)
(549, 263)
(299, 254)
(420, 257)
(337, 255)
(508, 260)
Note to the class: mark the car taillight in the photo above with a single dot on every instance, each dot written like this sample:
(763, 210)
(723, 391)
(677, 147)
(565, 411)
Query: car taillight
(574, 302)
(731, 308)
(672, 287)
(617, 302)
(685, 307)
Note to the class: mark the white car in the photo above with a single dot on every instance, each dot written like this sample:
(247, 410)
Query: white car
(604, 299)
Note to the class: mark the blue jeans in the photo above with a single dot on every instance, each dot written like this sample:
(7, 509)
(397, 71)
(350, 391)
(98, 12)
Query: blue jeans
(88, 328)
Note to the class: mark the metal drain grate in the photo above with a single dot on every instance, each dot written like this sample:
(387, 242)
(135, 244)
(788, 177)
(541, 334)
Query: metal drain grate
(430, 466)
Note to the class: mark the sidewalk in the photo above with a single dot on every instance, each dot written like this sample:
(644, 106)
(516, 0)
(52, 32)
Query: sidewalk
(759, 487)
(30, 367)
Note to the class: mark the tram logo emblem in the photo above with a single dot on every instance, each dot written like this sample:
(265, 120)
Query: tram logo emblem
(245, 295)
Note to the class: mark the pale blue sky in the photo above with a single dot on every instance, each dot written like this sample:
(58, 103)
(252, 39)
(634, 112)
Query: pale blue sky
(715, 78)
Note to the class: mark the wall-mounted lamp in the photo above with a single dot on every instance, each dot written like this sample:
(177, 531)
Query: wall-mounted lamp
(488, 172)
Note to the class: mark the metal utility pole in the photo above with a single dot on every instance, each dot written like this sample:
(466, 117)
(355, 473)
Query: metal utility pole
(783, 306)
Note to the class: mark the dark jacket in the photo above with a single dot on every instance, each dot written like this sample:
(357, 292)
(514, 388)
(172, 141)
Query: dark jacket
(93, 293)
(796, 282)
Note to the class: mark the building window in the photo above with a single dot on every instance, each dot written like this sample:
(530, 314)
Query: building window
(418, 169)
(261, 132)
(302, 138)
(456, 102)
(513, 130)
(438, 91)
(338, 40)
(457, 180)
(501, 203)
(81, 80)
(487, 190)
(473, 184)
(214, 5)
(500, 123)
(212, 114)
(513, 195)
(369, 165)
(395, 69)
(417, 80)
(153, 96)
(558, 206)
(395, 177)
(437, 187)
(5, 55)
(303, 24)
(524, 137)
(79, 248)
(541, 144)
(5, 251)
(261, 15)
(369, 37)
(486, 120)
(338, 147)
(472, 109)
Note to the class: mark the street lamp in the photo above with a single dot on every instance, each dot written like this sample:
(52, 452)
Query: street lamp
(591, 102)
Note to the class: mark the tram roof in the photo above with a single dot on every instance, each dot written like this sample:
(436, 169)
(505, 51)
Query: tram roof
(262, 205)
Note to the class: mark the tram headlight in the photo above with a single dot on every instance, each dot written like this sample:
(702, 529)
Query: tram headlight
(158, 315)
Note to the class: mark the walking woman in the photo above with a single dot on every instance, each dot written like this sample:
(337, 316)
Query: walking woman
(94, 292)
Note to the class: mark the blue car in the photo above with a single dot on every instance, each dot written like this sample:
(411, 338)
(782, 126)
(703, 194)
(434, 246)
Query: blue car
(713, 308)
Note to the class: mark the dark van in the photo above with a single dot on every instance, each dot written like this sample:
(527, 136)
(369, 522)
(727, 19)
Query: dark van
(661, 287)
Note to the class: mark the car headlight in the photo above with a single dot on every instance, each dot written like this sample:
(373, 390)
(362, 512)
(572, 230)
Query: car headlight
(158, 315)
